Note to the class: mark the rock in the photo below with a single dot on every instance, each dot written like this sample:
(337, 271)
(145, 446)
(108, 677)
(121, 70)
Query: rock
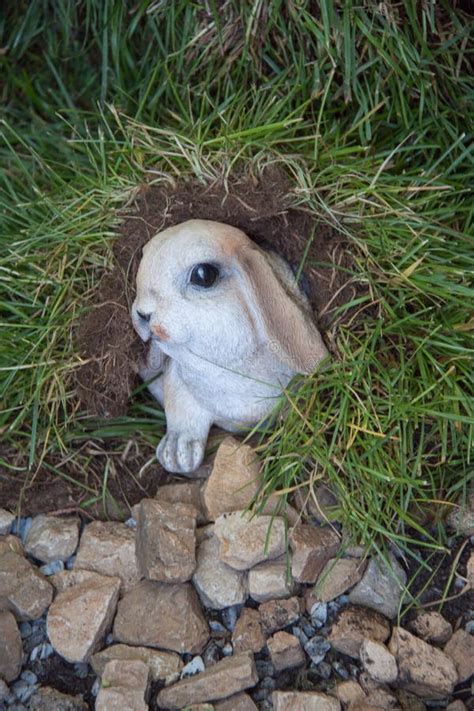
(234, 481)
(11, 650)
(108, 548)
(432, 627)
(224, 679)
(195, 666)
(378, 662)
(70, 578)
(409, 702)
(163, 666)
(349, 692)
(188, 492)
(124, 686)
(285, 651)
(460, 649)
(318, 501)
(269, 580)
(218, 585)
(461, 518)
(457, 705)
(276, 614)
(6, 520)
(246, 540)
(50, 538)
(239, 702)
(353, 625)
(23, 589)
(81, 616)
(4, 690)
(165, 541)
(316, 648)
(422, 669)
(11, 543)
(48, 699)
(381, 587)
(470, 571)
(337, 576)
(304, 701)
(312, 548)
(160, 615)
(248, 634)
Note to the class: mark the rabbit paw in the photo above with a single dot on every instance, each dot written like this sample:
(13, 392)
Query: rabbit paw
(180, 453)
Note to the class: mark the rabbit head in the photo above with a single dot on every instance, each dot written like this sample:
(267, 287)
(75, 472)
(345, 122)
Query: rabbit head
(205, 287)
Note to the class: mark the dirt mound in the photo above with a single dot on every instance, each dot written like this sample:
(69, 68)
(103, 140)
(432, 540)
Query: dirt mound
(259, 207)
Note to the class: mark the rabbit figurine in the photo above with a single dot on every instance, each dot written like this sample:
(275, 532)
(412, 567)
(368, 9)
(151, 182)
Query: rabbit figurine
(228, 328)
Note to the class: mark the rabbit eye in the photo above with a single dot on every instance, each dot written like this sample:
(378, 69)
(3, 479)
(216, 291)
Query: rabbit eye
(204, 275)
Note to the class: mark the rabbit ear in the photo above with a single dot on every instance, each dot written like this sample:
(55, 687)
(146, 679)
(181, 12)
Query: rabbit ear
(292, 335)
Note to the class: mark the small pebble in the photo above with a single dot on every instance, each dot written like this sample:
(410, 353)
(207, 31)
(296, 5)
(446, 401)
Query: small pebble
(260, 695)
(131, 523)
(319, 614)
(21, 526)
(195, 666)
(298, 632)
(324, 670)
(340, 670)
(70, 562)
(317, 648)
(23, 691)
(217, 627)
(96, 687)
(109, 639)
(46, 650)
(56, 566)
(309, 630)
(29, 676)
(469, 627)
(264, 668)
(25, 629)
(227, 650)
(268, 683)
(211, 655)
(230, 616)
(81, 669)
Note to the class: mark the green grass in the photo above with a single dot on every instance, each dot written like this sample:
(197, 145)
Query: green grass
(369, 112)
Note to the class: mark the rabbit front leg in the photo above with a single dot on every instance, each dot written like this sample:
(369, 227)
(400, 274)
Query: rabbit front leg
(181, 450)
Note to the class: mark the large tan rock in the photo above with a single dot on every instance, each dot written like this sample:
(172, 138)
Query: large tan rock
(165, 543)
(6, 520)
(160, 615)
(238, 702)
(51, 538)
(81, 616)
(460, 649)
(70, 578)
(349, 692)
(124, 686)
(248, 634)
(48, 699)
(304, 701)
(285, 651)
(23, 589)
(353, 625)
(381, 587)
(227, 677)
(11, 651)
(337, 577)
(108, 548)
(432, 627)
(312, 548)
(11, 544)
(271, 580)
(163, 666)
(378, 662)
(234, 480)
(218, 585)
(276, 614)
(246, 540)
(188, 492)
(422, 669)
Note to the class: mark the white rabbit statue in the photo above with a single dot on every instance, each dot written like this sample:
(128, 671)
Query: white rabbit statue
(229, 328)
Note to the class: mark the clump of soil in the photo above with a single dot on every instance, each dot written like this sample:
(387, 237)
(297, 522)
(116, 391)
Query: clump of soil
(262, 209)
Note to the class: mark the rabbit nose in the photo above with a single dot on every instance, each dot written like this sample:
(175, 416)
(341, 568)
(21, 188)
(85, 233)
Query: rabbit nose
(144, 317)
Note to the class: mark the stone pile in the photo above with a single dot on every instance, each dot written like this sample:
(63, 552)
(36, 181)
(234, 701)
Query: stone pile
(196, 604)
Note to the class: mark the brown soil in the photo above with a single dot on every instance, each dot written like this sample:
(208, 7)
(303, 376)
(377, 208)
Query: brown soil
(259, 207)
